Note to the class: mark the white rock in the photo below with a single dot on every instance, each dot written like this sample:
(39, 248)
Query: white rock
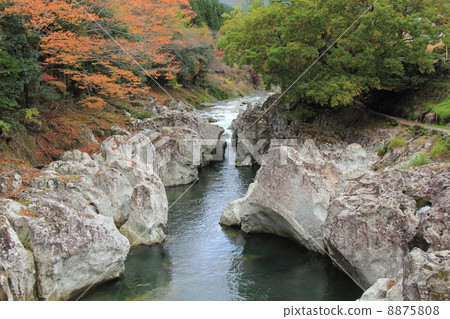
(16, 263)
(288, 199)
(73, 246)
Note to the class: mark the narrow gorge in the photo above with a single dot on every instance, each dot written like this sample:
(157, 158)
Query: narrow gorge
(69, 226)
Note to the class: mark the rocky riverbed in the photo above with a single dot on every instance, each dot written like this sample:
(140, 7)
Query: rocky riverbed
(69, 226)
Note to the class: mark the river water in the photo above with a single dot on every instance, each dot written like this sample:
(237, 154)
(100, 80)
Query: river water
(201, 260)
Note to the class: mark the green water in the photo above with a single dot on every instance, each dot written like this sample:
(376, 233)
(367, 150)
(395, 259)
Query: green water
(202, 260)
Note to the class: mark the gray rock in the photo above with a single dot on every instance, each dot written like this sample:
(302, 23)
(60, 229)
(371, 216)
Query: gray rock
(175, 144)
(426, 275)
(117, 130)
(354, 161)
(431, 118)
(5, 290)
(113, 186)
(293, 207)
(378, 291)
(148, 214)
(370, 228)
(434, 228)
(17, 270)
(395, 293)
(73, 246)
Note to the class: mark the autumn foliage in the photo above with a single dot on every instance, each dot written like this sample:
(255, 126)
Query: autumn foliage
(104, 49)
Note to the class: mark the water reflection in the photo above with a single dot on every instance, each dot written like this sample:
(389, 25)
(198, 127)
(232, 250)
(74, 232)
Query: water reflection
(273, 268)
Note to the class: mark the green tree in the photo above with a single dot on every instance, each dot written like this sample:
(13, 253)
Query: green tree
(19, 80)
(385, 49)
(209, 12)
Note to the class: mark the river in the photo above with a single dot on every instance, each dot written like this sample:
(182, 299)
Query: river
(201, 260)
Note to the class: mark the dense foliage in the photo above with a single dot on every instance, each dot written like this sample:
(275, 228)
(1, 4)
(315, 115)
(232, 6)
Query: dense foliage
(388, 48)
(90, 45)
(209, 12)
(96, 50)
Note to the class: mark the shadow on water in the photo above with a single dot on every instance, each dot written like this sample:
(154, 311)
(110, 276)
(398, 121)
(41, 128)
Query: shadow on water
(201, 260)
(274, 268)
(147, 269)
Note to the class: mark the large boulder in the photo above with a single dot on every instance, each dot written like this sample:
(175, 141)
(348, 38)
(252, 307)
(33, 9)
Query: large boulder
(73, 246)
(16, 265)
(182, 142)
(435, 222)
(254, 128)
(290, 198)
(107, 187)
(173, 153)
(148, 214)
(114, 186)
(374, 224)
(425, 276)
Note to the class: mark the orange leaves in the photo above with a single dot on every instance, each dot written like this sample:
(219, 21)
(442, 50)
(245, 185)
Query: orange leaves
(94, 103)
(61, 86)
(155, 23)
(75, 42)
(44, 13)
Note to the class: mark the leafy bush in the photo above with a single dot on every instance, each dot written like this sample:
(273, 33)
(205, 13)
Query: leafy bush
(418, 159)
(216, 92)
(396, 143)
(382, 151)
(147, 114)
(441, 148)
(442, 110)
(4, 127)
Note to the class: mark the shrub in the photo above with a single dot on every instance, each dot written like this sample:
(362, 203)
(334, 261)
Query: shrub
(382, 151)
(418, 159)
(396, 143)
(441, 148)
(4, 127)
(144, 115)
(216, 92)
(442, 110)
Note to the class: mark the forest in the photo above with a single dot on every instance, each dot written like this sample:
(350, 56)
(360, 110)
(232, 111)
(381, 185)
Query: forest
(91, 51)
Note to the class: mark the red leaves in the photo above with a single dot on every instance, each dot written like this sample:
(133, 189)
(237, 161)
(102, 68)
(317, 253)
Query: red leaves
(47, 77)
(219, 53)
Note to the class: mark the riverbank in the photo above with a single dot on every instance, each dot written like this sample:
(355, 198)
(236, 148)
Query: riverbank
(69, 226)
(370, 195)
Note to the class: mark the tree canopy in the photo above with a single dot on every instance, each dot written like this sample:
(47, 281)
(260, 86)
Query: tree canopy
(209, 12)
(102, 49)
(387, 48)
